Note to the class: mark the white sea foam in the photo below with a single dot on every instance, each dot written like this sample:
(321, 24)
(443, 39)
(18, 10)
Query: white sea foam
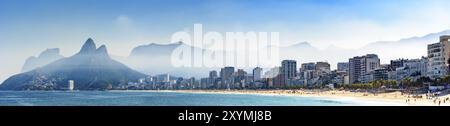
(366, 102)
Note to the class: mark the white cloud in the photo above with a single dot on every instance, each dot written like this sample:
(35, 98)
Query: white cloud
(124, 22)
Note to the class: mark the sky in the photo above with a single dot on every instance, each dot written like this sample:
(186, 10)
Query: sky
(27, 27)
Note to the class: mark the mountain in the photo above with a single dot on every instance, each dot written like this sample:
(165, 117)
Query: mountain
(155, 49)
(44, 58)
(432, 37)
(156, 59)
(304, 52)
(91, 69)
(300, 51)
(413, 47)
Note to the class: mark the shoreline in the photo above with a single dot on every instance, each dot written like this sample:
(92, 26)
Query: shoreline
(394, 98)
(370, 99)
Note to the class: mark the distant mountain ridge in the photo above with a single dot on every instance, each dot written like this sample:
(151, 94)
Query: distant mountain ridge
(46, 57)
(303, 52)
(156, 49)
(413, 47)
(91, 69)
(155, 59)
(426, 39)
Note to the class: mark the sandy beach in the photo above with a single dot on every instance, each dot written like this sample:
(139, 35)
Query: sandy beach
(393, 97)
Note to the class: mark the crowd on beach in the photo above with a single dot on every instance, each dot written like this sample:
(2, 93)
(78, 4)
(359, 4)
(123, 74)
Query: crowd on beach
(427, 99)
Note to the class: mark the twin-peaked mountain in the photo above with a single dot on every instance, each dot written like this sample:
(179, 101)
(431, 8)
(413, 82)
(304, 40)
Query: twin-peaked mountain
(90, 69)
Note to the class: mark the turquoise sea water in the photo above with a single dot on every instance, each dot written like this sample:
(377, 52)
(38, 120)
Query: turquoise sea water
(145, 98)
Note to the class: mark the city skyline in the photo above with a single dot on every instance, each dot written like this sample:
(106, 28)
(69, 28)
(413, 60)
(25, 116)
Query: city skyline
(333, 67)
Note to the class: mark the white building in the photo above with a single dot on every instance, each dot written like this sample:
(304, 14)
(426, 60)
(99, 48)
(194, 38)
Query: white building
(309, 77)
(367, 77)
(438, 57)
(414, 68)
(167, 78)
(71, 85)
(142, 81)
(257, 74)
(392, 75)
(346, 79)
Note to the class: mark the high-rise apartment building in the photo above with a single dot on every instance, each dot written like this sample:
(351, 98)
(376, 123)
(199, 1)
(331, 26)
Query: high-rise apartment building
(289, 69)
(226, 75)
(439, 57)
(257, 74)
(360, 66)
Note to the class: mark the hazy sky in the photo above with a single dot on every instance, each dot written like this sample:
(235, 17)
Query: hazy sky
(28, 27)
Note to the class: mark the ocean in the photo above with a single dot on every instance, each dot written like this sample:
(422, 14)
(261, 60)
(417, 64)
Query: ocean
(153, 98)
